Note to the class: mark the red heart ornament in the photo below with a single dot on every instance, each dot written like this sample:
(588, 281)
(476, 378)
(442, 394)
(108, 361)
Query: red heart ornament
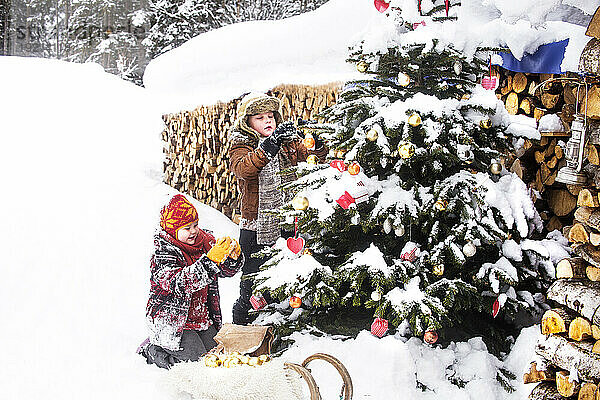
(381, 5)
(340, 165)
(295, 244)
(489, 82)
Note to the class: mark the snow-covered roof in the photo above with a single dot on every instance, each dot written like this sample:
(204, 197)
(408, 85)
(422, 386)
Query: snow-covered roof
(310, 48)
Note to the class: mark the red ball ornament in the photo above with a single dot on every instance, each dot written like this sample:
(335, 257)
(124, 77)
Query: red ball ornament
(430, 337)
(295, 301)
(381, 5)
(379, 327)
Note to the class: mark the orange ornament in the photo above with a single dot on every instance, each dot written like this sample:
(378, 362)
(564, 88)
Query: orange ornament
(295, 301)
(309, 141)
(430, 337)
(354, 169)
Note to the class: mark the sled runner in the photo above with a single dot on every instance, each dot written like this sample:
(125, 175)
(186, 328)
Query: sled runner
(347, 388)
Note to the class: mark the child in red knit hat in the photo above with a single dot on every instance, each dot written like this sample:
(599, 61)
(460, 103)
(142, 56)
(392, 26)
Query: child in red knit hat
(183, 312)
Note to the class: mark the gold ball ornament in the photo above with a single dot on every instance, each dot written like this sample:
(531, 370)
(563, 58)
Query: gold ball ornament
(485, 123)
(465, 96)
(372, 135)
(414, 120)
(300, 203)
(441, 205)
(354, 169)
(496, 168)
(263, 358)
(212, 361)
(406, 150)
(340, 153)
(312, 159)
(362, 66)
(438, 270)
(403, 79)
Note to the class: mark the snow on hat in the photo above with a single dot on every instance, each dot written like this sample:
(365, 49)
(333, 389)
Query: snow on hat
(256, 103)
(177, 214)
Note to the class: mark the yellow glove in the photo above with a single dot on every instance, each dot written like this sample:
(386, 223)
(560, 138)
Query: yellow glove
(220, 250)
(234, 249)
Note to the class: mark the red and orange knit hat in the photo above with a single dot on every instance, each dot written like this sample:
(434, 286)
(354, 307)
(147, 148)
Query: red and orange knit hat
(177, 214)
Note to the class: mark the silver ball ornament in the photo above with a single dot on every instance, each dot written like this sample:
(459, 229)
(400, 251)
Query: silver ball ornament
(469, 249)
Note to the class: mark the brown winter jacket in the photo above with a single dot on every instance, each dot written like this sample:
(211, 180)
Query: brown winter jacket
(246, 160)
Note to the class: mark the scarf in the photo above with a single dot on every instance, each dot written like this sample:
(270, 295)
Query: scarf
(270, 198)
(191, 252)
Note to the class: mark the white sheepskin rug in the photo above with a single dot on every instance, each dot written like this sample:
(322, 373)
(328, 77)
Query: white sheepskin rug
(270, 381)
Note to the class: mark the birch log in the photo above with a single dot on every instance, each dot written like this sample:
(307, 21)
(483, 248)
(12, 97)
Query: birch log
(571, 356)
(582, 297)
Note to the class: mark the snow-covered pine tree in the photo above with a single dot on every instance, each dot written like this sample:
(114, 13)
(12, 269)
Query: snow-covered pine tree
(173, 22)
(432, 234)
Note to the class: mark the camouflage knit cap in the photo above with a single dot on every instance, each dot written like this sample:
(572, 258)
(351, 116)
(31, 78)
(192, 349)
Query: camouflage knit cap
(253, 104)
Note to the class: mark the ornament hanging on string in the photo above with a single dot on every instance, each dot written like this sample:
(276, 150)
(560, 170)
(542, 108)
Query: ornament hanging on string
(406, 150)
(300, 203)
(375, 295)
(430, 337)
(414, 120)
(403, 79)
(388, 225)
(399, 230)
(495, 167)
(258, 302)
(379, 327)
(438, 269)
(340, 165)
(309, 141)
(295, 301)
(362, 66)
(498, 303)
(312, 159)
(469, 249)
(410, 252)
(489, 82)
(295, 244)
(354, 168)
(464, 153)
(381, 5)
(458, 67)
(485, 123)
(441, 204)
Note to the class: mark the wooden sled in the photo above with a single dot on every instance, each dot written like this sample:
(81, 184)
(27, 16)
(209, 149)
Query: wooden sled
(304, 371)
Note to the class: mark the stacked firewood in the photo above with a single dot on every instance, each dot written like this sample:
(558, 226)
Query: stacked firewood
(196, 146)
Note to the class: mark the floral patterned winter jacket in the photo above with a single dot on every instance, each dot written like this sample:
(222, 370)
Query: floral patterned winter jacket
(173, 282)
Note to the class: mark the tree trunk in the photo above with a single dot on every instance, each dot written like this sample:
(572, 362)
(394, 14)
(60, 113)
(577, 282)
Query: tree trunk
(580, 329)
(571, 268)
(566, 387)
(545, 391)
(534, 375)
(556, 320)
(587, 391)
(580, 296)
(571, 355)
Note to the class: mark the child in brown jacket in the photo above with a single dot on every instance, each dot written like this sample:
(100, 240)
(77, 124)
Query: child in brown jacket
(261, 148)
